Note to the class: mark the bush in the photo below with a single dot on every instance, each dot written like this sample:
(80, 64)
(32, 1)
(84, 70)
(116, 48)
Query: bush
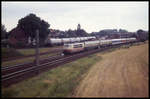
(20, 44)
(10, 52)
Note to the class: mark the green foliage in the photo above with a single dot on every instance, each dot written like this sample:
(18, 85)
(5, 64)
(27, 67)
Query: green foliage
(81, 33)
(9, 52)
(5, 43)
(142, 35)
(3, 32)
(76, 33)
(31, 23)
(20, 44)
(123, 31)
(139, 31)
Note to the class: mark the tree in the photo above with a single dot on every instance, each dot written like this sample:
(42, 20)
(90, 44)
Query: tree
(3, 32)
(122, 31)
(142, 35)
(70, 33)
(44, 29)
(81, 32)
(31, 23)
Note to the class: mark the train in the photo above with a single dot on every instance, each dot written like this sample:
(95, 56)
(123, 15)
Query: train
(61, 41)
(71, 48)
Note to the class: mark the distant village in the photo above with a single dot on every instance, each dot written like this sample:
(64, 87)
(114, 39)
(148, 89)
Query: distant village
(18, 37)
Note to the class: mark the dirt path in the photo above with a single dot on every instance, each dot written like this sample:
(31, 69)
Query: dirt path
(121, 73)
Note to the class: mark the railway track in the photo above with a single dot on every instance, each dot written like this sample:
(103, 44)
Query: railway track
(13, 68)
(11, 75)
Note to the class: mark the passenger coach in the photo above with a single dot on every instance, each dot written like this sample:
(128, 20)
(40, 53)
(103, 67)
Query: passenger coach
(87, 45)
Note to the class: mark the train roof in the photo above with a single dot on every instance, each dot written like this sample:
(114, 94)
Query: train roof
(73, 43)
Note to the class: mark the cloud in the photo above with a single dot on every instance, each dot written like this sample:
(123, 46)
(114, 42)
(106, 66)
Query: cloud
(93, 16)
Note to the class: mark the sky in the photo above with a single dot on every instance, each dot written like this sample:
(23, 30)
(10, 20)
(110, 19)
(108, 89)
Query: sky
(92, 16)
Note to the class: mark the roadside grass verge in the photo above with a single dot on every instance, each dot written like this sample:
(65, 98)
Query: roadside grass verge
(58, 82)
(29, 59)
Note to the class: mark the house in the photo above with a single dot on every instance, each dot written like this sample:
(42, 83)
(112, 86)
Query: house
(17, 37)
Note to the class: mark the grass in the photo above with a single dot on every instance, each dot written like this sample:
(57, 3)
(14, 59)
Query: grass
(29, 59)
(58, 82)
(109, 50)
(31, 51)
(121, 73)
(10, 52)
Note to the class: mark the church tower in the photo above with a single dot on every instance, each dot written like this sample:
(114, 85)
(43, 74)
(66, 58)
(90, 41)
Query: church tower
(78, 27)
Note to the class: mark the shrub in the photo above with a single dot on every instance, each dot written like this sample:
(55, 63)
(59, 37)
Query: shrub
(9, 52)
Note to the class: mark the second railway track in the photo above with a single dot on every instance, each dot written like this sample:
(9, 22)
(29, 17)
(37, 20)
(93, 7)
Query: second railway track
(13, 68)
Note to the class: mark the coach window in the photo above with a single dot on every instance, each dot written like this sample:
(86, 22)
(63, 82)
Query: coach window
(66, 45)
(77, 46)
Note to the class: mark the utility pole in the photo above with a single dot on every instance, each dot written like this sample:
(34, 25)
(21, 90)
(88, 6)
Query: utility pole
(37, 49)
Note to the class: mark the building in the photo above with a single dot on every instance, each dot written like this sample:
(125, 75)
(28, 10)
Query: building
(79, 27)
(17, 37)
